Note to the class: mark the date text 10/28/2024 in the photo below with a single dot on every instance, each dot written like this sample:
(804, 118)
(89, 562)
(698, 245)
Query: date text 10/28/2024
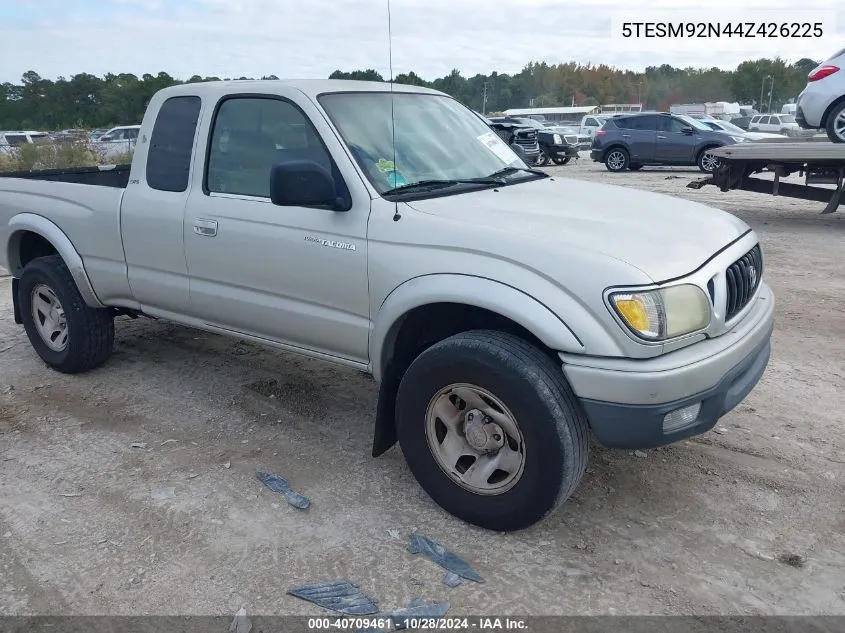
(418, 624)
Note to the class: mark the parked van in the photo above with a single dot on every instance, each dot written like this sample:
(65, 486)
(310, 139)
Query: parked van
(11, 140)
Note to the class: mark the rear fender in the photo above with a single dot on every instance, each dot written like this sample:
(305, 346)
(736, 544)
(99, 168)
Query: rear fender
(29, 222)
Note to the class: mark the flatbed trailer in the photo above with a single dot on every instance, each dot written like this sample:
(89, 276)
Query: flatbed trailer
(818, 163)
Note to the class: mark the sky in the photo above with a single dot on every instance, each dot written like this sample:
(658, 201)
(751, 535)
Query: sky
(311, 38)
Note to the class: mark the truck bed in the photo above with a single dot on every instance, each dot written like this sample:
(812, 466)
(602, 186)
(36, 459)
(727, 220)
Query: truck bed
(811, 153)
(104, 175)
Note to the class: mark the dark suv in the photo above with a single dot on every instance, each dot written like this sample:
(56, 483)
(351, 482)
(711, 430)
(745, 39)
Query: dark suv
(657, 138)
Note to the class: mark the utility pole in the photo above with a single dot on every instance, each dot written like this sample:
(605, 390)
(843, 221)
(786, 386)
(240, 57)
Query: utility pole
(771, 90)
(762, 88)
(484, 103)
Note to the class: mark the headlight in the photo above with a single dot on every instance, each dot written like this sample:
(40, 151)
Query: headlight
(658, 315)
(556, 139)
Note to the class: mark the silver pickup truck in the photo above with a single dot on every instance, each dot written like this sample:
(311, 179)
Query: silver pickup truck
(506, 314)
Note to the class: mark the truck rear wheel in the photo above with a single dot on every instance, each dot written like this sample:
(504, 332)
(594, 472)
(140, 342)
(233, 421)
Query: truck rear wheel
(67, 334)
(491, 430)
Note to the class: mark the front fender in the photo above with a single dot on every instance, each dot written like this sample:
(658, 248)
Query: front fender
(30, 222)
(471, 290)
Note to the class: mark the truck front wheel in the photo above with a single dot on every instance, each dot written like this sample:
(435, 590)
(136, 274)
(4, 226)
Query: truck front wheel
(67, 334)
(491, 430)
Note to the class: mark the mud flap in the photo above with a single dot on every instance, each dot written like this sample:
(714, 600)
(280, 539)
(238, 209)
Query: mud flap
(15, 305)
(384, 435)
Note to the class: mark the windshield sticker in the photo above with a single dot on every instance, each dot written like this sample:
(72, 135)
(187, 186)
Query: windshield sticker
(395, 179)
(495, 144)
(385, 166)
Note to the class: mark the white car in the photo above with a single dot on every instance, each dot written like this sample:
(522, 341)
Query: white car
(118, 140)
(735, 130)
(821, 105)
(10, 140)
(777, 123)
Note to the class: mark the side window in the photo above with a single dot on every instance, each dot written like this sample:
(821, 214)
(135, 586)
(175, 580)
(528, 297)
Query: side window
(591, 123)
(775, 120)
(763, 120)
(250, 135)
(644, 123)
(131, 133)
(622, 122)
(171, 144)
(671, 124)
(16, 140)
(754, 119)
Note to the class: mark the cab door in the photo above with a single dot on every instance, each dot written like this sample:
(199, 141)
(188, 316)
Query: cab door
(292, 275)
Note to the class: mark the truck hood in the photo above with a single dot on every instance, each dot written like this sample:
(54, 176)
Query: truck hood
(662, 236)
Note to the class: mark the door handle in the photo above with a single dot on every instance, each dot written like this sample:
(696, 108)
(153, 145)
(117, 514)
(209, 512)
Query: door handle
(661, 136)
(206, 228)
(626, 136)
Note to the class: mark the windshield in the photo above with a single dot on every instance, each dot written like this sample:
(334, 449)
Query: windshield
(564, 130)
(694, 123)
(437, 138)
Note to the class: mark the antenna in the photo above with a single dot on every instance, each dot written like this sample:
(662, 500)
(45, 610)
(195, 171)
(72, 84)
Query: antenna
(396, 215)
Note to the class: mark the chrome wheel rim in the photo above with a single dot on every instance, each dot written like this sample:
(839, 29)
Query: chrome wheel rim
(709, 162)
(475, 439)
(616, 160)
(839, 126)
(49, 318)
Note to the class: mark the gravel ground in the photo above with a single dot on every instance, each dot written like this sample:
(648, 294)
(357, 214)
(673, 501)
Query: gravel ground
(747, 519)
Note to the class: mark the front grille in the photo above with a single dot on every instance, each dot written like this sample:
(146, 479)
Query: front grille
(742, 280)
(571, 140)
(526, 138)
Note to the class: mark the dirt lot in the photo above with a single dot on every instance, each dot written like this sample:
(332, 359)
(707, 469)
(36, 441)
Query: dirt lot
(747, 519)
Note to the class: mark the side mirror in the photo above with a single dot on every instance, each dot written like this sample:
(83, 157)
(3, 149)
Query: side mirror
(304, 183)
(687, 130)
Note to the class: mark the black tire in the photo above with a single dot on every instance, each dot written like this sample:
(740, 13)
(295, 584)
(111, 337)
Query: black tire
(702, 161)
(542, 158)
(834, 121)
(90, 331)
(635, 167)
(561, 160)
(530, 384)
(616, 159)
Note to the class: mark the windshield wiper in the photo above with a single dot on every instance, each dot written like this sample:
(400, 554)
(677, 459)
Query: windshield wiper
(496, 178)
(510, 170)
(423, 184)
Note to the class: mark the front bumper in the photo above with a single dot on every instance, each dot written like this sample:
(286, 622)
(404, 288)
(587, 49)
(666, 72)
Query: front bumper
(563, 151)
(626, 402)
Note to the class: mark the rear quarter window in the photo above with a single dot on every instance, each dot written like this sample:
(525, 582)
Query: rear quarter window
(171, 144)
